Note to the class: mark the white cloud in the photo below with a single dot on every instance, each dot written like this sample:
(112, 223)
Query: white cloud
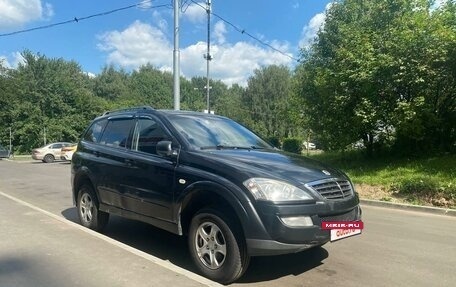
(90, 74)
(438, 3)
(4, 62)
(141, 43)
(145, 5)
(137, 45)
(159, 20)
(14, 13)
(12, 61)
(195, 13)
(48, 11)
(219, 32)
(309, 32)
(236, 63)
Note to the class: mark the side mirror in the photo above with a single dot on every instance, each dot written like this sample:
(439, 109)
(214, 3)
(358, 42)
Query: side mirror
(164, 148)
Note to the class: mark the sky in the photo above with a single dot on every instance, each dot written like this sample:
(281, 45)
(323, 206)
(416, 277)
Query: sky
(143, 34)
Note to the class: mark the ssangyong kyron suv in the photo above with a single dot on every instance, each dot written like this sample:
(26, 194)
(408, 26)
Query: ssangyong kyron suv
(208, 178)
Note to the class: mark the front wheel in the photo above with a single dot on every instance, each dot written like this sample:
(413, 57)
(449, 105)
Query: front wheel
(217, 247)
(89, 214)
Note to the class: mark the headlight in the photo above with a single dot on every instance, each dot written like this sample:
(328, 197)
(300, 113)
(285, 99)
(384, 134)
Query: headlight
(274, 190)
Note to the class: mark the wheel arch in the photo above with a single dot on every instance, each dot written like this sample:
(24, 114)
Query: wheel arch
(207, 194)
(80, 179)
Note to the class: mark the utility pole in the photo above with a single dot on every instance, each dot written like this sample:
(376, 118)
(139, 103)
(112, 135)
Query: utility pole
(208, 56)
(44, 135)
(176, 58)
(10, 146)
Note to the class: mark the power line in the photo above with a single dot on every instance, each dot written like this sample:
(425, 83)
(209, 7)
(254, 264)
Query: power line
(243, 31)
(76, 19)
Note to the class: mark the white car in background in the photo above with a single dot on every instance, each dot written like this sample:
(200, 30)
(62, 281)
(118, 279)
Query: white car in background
(68, 151)
(50, 152)
(309, 145)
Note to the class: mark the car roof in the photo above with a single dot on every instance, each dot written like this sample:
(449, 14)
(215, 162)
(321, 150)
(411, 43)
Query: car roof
(164, 112)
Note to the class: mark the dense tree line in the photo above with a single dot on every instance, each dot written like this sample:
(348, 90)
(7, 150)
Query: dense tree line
(54, 100)
(381, 73)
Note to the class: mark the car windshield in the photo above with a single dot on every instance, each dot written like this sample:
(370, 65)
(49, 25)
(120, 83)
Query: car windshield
(212, 132)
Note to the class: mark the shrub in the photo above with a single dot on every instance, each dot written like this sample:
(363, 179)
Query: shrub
(292, 145)
(416, 186)
(274, 141)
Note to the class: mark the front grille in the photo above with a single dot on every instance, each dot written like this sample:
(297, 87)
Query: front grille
(349, 216)
(332, 188)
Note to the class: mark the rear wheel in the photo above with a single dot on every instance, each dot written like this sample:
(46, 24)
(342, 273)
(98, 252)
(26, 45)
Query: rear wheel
(217, 246)
(89, 214)
(48, 158)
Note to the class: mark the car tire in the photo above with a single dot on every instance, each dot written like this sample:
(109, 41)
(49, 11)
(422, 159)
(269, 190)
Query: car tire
(217, 247)
(88, 212)
(49, 158)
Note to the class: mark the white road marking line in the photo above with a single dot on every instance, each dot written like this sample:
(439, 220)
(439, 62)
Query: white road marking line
(151, 258)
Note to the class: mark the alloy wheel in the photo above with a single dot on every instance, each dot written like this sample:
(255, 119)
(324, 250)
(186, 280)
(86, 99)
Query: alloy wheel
(86, 208)
(210, 245)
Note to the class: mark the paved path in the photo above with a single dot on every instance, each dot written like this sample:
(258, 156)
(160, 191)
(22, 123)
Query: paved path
(397, 248)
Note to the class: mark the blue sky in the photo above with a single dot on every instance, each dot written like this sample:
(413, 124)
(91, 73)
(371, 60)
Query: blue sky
(134, 37)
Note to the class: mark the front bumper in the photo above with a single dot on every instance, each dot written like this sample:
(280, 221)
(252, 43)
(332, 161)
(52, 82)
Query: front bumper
(282, 239)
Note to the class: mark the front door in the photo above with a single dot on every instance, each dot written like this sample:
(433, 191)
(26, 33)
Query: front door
(149, 180)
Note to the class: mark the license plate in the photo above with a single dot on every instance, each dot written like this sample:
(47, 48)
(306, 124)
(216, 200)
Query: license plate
(337, 234)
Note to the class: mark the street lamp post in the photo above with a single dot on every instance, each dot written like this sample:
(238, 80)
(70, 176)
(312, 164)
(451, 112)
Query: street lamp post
(208, 56)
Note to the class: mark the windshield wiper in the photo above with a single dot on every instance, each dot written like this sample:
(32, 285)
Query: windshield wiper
(219, 147)
(256, 147)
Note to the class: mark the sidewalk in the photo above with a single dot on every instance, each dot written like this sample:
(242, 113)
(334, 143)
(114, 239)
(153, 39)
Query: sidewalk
(39, 250)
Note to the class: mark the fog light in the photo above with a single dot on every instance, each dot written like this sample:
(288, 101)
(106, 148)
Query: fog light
(297, 221)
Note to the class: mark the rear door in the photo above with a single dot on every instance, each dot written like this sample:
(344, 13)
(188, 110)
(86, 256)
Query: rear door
(56, 150)
(111, 156)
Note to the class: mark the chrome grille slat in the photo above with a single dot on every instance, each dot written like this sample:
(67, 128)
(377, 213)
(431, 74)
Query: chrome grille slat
(332, 188)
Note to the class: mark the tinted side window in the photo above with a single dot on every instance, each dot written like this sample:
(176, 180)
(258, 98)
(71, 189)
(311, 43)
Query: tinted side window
(56, 146)
(93, 134)
(117, 133)
(150, 132)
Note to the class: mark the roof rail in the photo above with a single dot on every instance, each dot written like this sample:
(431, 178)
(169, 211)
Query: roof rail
(129, 109)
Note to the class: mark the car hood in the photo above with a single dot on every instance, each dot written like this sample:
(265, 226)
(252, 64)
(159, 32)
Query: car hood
(267, 163)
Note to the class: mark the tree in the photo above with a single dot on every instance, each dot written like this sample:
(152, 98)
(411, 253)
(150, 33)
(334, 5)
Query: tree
(112, 84)
(49, 96)
(267, 100)
(229, 104)
(150, 86)
(376, 72)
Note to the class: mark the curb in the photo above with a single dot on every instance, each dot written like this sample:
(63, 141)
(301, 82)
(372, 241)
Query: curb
(427, 209)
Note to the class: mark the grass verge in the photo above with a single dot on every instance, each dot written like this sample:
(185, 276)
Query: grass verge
(421, 180)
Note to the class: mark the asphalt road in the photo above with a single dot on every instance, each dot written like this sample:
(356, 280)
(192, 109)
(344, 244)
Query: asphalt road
(41, 246)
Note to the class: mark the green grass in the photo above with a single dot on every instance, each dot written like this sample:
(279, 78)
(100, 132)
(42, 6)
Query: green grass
(22, 157)
(422, 179)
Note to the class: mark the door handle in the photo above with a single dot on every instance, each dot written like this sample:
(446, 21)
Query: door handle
(130, 162)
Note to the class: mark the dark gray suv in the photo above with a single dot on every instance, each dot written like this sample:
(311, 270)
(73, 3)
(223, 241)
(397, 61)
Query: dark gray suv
(208, 178)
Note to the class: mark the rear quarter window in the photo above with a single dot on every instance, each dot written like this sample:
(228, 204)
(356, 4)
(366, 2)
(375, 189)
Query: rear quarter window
(93, 134)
